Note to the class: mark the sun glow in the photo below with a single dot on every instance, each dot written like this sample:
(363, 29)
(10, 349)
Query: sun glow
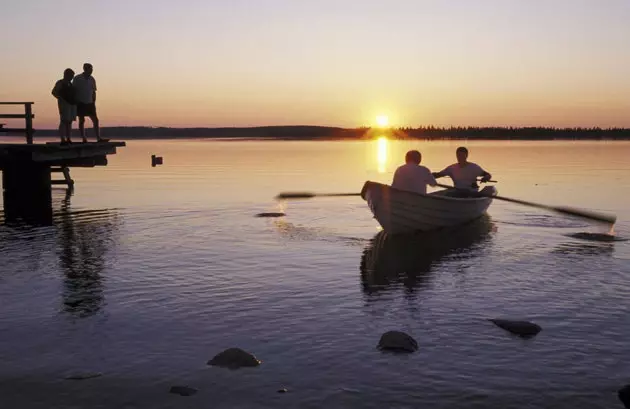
(381, 154)
(382, 121)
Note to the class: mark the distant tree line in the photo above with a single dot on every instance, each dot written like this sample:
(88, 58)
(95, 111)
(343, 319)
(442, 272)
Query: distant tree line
(524, 133)
(336, 133)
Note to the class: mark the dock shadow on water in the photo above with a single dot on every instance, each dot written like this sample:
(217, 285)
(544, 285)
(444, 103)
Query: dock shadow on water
(391, 260)
(84, 239)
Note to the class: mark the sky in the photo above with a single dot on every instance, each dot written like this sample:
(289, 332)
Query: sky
(326, 62)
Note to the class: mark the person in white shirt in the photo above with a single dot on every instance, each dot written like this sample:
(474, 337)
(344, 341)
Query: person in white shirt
(412, 176)
(85, 88)
(464, 174)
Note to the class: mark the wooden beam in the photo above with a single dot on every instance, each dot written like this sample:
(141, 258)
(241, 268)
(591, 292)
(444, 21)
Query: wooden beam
(15, 116)
(16, 130)
(16, 103)
(64, 154)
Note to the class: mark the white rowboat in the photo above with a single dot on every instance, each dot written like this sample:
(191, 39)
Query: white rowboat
(400, 211)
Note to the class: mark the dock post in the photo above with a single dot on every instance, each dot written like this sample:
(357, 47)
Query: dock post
(28, 110)
(27, 193)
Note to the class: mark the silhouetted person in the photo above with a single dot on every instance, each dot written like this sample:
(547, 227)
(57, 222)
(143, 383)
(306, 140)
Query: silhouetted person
(464, 174)
(66, 102)
(85, 86)
(412, 176)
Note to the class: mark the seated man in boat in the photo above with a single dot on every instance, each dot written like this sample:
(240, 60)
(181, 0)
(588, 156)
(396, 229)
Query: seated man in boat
(412, 176)
(464, 174)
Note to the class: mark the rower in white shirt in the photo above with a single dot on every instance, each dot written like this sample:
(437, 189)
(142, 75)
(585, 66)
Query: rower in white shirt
(464, 174)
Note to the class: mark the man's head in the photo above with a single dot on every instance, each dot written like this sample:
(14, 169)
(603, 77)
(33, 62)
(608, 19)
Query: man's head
(413, 157)
(462, 154)
(68, 74)
(87, 69)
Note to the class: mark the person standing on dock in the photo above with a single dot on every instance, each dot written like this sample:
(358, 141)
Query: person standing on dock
(464, 174)
(85, 86)
(412, 176)
(65, 94)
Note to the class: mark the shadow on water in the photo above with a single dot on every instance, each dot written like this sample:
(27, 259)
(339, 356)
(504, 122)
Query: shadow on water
(391, 260)
(84, 238)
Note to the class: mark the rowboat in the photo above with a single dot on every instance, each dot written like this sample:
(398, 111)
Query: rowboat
(399, 211)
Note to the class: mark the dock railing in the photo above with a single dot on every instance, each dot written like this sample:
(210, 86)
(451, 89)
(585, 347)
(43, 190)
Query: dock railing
(28, 120)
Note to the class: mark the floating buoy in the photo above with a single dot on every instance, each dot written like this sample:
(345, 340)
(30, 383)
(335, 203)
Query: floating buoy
(156, 160)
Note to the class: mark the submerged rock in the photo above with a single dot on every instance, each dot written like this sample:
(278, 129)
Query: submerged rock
(523, 329)
(234, 358)
(283, 390)
(183, 390)
(271, 214)
(397, 341)
(624, 396)
(83, 376)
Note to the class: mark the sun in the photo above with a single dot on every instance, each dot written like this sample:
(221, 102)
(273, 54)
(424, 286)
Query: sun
(382, 121)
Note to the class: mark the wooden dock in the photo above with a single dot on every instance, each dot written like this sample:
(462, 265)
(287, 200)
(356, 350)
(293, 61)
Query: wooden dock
(27, 167)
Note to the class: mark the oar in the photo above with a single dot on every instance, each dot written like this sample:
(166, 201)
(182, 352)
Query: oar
(308, 195)
(585, 214)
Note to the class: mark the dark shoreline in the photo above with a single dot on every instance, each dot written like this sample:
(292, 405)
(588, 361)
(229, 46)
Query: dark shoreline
(314, 133)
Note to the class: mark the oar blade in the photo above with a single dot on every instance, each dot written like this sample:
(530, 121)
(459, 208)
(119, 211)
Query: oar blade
(295, 195)
(309, 195)
(586, 214)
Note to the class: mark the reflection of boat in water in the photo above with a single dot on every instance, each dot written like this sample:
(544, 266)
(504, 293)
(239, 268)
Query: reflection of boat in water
(394, 259)
(399, 211)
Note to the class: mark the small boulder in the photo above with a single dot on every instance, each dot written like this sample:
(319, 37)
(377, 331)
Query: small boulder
(523, 329)
(234, 358)
(397, 341)
(624, 396)
(183, 390)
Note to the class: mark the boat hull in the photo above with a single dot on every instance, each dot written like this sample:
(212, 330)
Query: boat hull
(400, 211)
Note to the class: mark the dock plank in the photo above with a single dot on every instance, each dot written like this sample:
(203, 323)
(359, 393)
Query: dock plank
(54, 153)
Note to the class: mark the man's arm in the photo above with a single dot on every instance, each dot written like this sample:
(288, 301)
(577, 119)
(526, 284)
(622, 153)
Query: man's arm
(94, 91)
(442, 173)
(485, 176)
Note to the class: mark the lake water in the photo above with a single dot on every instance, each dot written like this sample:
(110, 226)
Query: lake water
(149, 272)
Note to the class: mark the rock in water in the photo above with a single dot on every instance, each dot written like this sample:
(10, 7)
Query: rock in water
(183, 390)
(624, 396)
(234, 358)
(397, 341)
(523, 329)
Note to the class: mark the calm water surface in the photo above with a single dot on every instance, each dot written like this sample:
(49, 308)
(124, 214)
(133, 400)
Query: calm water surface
(149, 272)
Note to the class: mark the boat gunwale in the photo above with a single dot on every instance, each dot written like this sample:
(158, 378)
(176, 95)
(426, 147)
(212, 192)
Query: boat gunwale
(431, 195)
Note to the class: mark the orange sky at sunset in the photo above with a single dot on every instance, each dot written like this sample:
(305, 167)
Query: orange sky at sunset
(340, 63)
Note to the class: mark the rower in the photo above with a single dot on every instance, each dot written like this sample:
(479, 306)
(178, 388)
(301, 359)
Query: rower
(412, 176)
(464, 175)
